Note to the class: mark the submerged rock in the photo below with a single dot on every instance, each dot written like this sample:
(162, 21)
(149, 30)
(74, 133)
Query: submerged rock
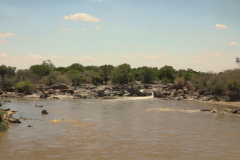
(206, 110)
(214, 110)
(14, 120)
(45, 112)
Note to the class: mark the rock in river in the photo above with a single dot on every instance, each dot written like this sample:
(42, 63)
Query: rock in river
(45, 112)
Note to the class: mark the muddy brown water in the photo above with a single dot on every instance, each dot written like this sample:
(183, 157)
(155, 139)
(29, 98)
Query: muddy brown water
(120, 129)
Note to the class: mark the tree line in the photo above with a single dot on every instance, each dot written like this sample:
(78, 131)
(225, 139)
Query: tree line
(75, 74)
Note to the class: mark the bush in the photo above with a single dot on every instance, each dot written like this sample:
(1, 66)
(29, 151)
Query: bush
(166, 81)
(97, 80)
(24, 87)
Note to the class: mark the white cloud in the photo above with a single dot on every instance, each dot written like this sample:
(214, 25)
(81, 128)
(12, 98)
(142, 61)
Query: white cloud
(89, 58)
(233, 44)
(211, 53)
(197, 61)
(64, 29)
(82, 16)
(36, 57)
(84, 29)
(125, 57)
(221, 26)
(8, 35)
(56, 57)
(104, 56)
(2, 41)
(139, 54)
(15, 60)
(3, 55)
(98, 27)
(154, 57)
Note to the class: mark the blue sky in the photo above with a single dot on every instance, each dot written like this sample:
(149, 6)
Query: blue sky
(202, 35)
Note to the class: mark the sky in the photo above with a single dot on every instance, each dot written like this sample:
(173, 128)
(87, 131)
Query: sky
(201, 35)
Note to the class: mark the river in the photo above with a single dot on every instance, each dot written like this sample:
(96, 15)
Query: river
(129, 128)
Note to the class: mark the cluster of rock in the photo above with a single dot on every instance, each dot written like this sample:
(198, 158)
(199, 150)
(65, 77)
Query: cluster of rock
(111, 92)
(87, 91)
(183, 91)
(179, 91)
(7, 117)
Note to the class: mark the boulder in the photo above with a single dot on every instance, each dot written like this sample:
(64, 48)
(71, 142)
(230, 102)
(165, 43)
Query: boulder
(43, 95)
(59, 86)
(51, 91)
(45, 112)
(68, 91)
(146, 86)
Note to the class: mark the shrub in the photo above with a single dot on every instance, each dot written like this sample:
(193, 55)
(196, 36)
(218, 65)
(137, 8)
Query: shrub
(24, 87)
(3, 125)
(166, 81)
(97, 80)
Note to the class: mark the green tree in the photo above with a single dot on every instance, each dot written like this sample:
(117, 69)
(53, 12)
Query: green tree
(77, 79)
(41, 70)
(60, 69)
(75, 66)
(97, 79)
(147, 74)
(233, 85)
(4, 70)
(106, 71)
(167, 72)
(23, 73)
(123, 74)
